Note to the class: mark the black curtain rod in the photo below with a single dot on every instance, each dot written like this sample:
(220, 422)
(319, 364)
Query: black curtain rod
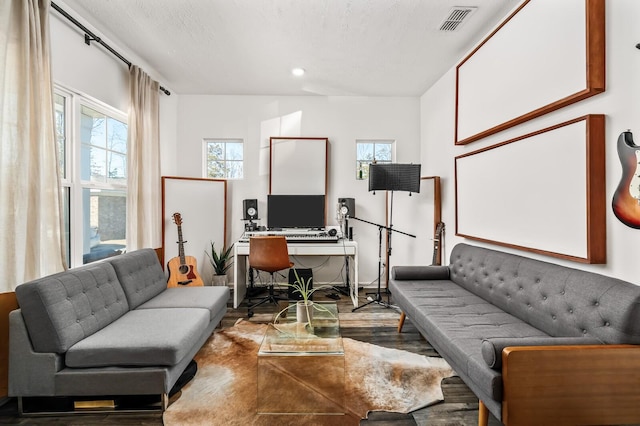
(89, 37)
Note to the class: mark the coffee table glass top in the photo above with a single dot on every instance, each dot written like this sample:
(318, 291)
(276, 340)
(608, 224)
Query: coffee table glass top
(286, 336)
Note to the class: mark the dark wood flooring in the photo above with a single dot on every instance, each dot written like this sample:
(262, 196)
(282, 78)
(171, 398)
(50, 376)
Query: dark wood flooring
(373, 323)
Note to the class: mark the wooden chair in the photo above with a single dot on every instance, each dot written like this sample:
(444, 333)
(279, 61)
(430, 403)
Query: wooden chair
(269, 254)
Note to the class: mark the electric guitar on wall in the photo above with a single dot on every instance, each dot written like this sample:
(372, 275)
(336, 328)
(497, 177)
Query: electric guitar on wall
(436, 244)
(183, 270)
(626, 199)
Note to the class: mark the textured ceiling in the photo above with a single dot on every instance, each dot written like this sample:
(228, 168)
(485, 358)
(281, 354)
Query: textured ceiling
(248, 47)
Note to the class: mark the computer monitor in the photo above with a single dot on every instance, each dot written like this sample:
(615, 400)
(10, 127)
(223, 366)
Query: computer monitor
(295, 211)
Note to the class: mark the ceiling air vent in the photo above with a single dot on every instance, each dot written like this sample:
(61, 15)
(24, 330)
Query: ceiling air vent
(456, 17)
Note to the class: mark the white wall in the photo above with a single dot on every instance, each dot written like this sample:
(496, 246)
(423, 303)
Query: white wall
(186, 120)
(94, 71)
(619, 103)
(342, 120)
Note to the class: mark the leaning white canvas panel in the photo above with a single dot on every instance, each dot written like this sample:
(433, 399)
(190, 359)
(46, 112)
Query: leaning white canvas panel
(298, 166)
(202, 205)
(529, 193)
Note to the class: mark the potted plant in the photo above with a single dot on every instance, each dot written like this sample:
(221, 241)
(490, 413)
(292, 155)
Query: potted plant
(221, 262)
(304, 307)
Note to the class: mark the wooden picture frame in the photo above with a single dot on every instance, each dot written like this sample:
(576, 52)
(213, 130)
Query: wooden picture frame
(437, 218)
(558, 59)
(296, 166)
(543, 192)
(203, 206)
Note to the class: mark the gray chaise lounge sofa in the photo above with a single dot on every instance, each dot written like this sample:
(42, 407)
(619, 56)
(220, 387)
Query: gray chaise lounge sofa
(538, 343)
(108, 328)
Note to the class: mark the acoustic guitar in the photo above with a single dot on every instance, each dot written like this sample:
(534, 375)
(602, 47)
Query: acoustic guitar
(183, 270)
(626, 199)
(436, 244)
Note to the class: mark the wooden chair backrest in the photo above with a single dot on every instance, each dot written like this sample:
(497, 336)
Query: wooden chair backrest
(269, 253)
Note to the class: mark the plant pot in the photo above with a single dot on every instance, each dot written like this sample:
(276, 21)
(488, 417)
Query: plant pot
(301, 311)
(219, 280)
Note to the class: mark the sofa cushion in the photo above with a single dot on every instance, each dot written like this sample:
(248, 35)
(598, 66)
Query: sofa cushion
(62, 309)
(140, 274)
(214, 299)
(143, 337)
(455, 322)
(492, 348)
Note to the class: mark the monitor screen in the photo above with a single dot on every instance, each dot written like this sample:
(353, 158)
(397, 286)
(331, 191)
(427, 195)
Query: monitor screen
(295, 211)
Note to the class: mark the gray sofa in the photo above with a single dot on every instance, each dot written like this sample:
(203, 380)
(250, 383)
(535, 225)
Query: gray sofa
(108, 328)
(538, 343)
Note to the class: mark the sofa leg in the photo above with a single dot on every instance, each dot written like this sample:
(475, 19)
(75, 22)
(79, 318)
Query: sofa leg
(164, 401)
(401, 321)
(483, 414)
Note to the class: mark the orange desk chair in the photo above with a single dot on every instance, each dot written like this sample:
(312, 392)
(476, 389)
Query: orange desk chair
(269, 254)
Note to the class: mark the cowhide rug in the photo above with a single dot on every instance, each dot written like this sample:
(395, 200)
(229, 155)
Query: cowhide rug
(224, 390)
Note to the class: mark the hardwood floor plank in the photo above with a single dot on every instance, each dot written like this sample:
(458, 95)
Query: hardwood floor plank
(389, 419)
(451, 414)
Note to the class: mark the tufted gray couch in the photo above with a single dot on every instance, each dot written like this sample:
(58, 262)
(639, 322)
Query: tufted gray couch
(108, 328)
(538, 343)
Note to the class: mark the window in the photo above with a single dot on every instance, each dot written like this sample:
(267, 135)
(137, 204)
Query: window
(369, 151)
(92, 147)
(104, 148)
(224, 158)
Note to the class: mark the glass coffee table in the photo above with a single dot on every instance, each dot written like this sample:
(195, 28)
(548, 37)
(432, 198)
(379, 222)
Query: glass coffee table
(301, 368)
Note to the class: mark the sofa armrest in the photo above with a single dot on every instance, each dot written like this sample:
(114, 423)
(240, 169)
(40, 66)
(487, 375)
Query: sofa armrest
(416, 273)
(492, 348)
(30, 373)
(571, 384)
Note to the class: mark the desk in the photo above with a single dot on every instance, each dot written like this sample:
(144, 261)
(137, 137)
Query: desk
(341, 248)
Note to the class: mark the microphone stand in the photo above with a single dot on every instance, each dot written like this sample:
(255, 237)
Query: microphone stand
(378, 298)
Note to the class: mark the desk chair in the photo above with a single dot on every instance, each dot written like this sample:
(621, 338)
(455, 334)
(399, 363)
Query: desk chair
(269, 254)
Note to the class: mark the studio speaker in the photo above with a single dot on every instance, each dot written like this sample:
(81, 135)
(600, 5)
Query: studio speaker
(347, 206)
(250, 209)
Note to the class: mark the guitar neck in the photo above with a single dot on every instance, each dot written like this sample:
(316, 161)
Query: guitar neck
(436, 244)
(436, 251)
(180, 246)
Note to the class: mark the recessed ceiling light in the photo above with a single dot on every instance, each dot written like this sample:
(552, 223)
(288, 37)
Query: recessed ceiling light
(298, 72)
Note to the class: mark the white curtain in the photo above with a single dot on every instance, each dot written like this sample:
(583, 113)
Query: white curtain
(144, 215)
(31, 231)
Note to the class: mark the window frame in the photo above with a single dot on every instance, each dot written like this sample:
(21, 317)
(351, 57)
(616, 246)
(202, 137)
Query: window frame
(359, 162)
(72, 184)
(205, 157)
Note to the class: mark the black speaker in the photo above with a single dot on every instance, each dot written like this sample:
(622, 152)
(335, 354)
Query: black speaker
(347, 206)
(250, 209)
(304, 274)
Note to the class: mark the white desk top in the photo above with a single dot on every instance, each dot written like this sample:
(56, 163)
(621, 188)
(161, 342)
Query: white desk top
(342, 247)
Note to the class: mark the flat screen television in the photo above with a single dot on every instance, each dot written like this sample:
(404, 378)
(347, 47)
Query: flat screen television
(295, 211)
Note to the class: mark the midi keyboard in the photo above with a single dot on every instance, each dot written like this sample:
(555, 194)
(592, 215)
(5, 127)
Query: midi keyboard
(294, 237)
